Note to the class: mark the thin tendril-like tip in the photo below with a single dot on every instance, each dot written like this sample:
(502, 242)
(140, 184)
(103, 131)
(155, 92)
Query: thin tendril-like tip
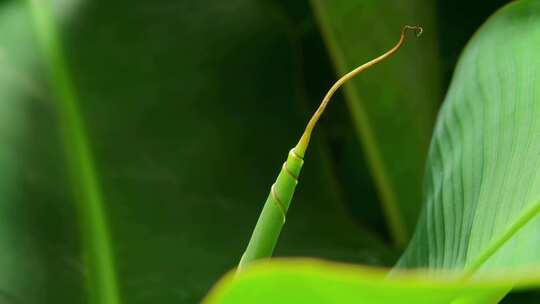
(301, 147)
(418, 29)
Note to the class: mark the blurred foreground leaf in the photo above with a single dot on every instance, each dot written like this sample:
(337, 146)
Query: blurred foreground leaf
(312, 281)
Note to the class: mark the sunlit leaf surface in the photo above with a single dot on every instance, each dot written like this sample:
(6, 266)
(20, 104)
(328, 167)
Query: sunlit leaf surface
(482, 186)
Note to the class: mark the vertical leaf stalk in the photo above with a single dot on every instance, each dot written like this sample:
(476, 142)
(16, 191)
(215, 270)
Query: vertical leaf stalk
(100, 270)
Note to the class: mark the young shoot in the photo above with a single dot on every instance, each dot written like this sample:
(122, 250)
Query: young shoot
(272, 218)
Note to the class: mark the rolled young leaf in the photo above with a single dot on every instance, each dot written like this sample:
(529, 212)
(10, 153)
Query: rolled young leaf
(269, 226)
(274, 212)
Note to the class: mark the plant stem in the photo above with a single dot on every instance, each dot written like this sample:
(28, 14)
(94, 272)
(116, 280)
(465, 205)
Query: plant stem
(101, 277)
(272, 218)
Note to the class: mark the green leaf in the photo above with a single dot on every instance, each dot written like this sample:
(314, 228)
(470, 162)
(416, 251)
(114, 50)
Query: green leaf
(482, 185)
(312, 281)
(393, 105)
(480, 219)
(188, 109)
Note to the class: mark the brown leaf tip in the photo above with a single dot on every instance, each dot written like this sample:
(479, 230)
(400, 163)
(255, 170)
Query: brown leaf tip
(416, 28)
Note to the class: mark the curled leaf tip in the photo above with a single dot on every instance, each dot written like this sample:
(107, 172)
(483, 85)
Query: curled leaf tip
(416, 28)
(301, 147)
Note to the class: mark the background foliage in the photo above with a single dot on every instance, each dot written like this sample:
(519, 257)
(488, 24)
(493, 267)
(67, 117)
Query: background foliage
(191, 107)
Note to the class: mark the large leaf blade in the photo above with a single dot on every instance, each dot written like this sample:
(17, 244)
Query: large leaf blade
(482, 183)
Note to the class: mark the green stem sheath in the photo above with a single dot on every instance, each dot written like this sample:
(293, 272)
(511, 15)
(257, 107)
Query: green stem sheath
(272, 218)
(102, 286)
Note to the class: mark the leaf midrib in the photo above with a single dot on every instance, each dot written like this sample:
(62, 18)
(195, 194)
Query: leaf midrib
(527, 215)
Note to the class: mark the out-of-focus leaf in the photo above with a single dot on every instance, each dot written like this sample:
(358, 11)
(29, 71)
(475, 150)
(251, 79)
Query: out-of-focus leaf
(188, 107)
(393, 105)
(308, 281)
